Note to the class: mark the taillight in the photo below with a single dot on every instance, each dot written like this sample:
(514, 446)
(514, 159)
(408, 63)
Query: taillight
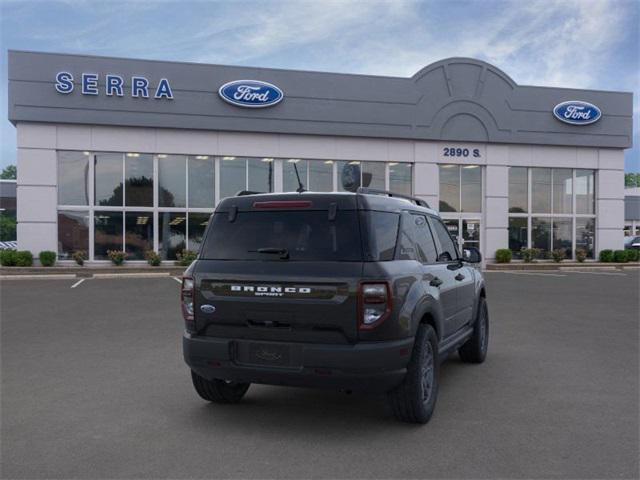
(375, 304)
(186, 299)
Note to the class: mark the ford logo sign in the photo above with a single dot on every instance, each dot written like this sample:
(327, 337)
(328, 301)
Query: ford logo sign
(250, 93)
(577, 112)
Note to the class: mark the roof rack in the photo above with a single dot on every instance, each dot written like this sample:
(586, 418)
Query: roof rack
(373, 191)
(242, 193)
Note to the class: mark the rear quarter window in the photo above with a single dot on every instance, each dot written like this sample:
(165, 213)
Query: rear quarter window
(381, 234)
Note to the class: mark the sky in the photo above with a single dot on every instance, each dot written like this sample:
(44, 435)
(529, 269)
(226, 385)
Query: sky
(567, 43)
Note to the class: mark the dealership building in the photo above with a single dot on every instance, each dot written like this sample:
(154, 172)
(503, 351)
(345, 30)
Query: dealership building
(134, 155)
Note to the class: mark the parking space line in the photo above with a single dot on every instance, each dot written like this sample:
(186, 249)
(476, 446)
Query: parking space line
(533, 273)
(177, 280)
(599, 273)
(78, 283)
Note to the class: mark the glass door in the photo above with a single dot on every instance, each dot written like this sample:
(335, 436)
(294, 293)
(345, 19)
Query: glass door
(465, 231)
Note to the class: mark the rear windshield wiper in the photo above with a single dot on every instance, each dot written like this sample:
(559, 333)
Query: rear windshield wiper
(283, 252)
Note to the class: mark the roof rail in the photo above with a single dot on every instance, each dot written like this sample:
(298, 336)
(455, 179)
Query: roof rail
(243, 193)
(373, 191)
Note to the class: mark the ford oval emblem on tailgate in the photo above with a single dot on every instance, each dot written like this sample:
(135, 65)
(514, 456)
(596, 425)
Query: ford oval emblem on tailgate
(207, 308)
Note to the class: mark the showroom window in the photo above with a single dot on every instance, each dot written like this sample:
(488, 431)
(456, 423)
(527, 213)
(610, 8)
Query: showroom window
(240, 173)
(551, 209)
(366, 174)
(315, 175)
(139, 202)
(460, 188)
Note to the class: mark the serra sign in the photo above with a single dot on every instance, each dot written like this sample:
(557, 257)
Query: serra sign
(113, 85)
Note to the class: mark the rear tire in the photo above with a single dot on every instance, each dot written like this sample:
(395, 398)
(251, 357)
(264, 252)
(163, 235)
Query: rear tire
(414, 400)
(219, 391)
(475, 349)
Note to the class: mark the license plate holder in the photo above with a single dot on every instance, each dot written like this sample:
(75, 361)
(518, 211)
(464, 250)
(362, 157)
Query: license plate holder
(266, 354)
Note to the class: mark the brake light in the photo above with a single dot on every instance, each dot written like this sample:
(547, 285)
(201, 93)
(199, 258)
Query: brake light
(374, 304)
(186, 300)
(283, 204)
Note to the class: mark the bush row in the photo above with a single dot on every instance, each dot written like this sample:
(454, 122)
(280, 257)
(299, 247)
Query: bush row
(504, 255)
(24, 258)
(620, 256)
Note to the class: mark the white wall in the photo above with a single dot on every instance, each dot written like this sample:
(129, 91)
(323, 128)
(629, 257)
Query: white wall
(37, 144)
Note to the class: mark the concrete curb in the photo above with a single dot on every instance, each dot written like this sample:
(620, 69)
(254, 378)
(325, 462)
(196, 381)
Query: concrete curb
(90, 272)
(560, 266)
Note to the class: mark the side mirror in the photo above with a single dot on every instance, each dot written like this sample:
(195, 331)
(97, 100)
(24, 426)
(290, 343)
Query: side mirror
(471, 255)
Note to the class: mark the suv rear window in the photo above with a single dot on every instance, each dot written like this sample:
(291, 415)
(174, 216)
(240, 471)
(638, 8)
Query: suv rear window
(304, 235)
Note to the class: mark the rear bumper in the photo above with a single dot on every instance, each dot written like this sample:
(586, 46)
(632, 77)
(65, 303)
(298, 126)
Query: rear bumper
(369, 367)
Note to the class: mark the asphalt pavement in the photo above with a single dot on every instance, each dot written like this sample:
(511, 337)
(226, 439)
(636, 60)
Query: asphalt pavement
(94, 386)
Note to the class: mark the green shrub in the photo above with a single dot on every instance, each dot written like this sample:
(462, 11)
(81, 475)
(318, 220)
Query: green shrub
(558, 255)
(633, 255)
(7, 258)
(530, 255)
(503, 255)
(153, 258)
(24, 258)
(117, 256)
(79, 256)
(186, 257)
(606, 255)
(620, 256)
(47, 258)
(581, 254)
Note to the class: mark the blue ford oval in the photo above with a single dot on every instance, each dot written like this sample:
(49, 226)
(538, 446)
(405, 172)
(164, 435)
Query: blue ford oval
(577, 112)
(250, 93)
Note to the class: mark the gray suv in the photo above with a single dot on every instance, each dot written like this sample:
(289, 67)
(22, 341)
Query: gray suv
(360, 291)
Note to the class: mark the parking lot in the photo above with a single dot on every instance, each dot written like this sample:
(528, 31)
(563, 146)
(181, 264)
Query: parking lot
(94, 386)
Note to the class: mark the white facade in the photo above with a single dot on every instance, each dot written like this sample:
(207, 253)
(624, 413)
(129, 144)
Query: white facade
(38, 144)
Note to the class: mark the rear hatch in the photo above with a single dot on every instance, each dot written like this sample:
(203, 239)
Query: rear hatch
(284, 269)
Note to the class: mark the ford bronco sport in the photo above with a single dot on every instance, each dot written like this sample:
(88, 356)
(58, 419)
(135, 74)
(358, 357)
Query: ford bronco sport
(353, 291)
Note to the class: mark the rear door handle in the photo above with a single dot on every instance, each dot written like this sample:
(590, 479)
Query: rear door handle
(459, 277)
(435, 282)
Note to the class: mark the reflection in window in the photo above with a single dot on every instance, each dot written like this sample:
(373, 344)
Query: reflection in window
(138, 234)
(171, 181)
(541, 235)
(108, 233)
(471, 179)
(349, 176)
(201, 182)
(562, 190)
(518, 190)
(172, 234)
(585, 235)
(138, 172)
(562, 235)
(373, 175)
(233, 176)
(289, 178)
(73, 178)
(108, 179)
(197, 223)
(400, 178)
(541, 190)
(260, 174)
(585, 192)
(320, 175)
(517, 235)
(449, 188)
(73, 233)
